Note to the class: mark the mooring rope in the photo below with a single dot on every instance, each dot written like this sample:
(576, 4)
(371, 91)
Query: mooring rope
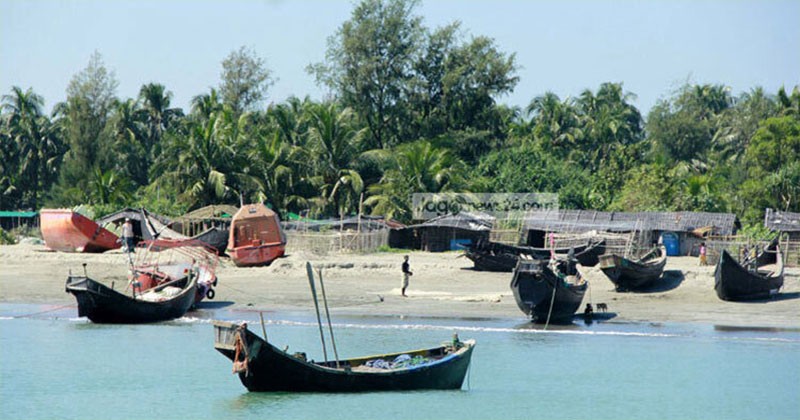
(552, 299)
(44, 312)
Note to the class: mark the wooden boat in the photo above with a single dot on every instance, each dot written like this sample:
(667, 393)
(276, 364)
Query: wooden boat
(759, 279)
(266, 368)
(67, 231)
(160, 286)
(548, 291)
(627, 274)
(255, 237)
(155, 228)
(493, 256)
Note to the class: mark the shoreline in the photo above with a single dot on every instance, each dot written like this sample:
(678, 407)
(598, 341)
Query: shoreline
(443, 286)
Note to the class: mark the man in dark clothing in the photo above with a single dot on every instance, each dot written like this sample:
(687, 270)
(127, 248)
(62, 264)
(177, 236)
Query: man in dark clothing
(406, 274)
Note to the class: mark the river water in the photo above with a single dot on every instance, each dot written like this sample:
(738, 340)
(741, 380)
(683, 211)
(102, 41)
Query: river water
(55, 365)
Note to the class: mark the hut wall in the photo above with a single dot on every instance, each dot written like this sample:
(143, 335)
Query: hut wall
(440, 239)
(401, 238)
(332, 242)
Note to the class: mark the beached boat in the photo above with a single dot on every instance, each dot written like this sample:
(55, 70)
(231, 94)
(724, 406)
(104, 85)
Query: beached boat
(255, 237)
(493, 256)
(156, 228)
(266, 368)
(67, 231)
(167, 279)
(750, 280)
(628, 274)
(548, 291)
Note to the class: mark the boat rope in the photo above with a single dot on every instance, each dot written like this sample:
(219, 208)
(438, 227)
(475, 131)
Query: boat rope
(469, 374)
(241, 348)
(550, 310)
(44, 312)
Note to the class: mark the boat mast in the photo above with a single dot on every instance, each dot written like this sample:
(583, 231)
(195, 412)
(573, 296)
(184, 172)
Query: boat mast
(310, 272)
(328, 315)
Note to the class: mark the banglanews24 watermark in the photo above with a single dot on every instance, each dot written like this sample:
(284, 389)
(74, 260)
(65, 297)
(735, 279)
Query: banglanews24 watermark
(499, 205)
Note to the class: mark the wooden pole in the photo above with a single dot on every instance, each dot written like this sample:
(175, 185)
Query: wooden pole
(263, 329)
(328, 315)
(310, 272)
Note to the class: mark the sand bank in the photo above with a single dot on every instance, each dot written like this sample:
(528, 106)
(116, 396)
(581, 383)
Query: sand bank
(443, 285)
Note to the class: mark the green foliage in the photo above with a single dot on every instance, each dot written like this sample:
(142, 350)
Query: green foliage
(7, 238)
(245, 80)
(756, 232)
(388, 249)
(413, 110)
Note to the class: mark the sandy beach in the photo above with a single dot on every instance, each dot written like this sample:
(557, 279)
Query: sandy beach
(443, 285)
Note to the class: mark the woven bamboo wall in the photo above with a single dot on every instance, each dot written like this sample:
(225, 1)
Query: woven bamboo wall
(324, 243)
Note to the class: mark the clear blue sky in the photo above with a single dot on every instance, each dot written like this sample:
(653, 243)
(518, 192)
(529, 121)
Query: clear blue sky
(561, 46)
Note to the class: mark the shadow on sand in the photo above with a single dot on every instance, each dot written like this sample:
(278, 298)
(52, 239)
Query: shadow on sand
(209, 305)
(669, 280)
(778, 297)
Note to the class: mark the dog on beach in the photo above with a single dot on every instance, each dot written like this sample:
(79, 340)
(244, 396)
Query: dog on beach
(602, 307)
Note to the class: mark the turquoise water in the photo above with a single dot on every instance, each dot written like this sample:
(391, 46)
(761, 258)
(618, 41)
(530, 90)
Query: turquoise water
(54, 365)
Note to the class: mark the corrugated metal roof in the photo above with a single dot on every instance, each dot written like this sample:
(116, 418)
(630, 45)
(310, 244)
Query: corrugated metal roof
(18, 213)
(463, 220)
(585, 220)
(783, 221)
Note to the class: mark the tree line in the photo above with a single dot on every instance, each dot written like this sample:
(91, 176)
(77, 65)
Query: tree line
(411, 109)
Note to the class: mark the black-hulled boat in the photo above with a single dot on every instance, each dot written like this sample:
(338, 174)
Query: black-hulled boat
(165, 281)
(493, 256)
(750, 280)
(548, 291)
(105, 305)
(628, 274)
(263, 367)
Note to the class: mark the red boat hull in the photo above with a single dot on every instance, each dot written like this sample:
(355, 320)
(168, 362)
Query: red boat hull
(67, 231)
(249, 256)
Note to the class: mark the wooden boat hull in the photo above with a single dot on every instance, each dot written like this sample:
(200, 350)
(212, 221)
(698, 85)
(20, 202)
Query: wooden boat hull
(535, 285)
(67, 231)
(733, 282)
(633, 274)
(251, 256)
(270, 369)
(492, 256)
(103, 305)
(154, 229)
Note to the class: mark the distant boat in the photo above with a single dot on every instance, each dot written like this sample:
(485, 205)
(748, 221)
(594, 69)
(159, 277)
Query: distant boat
(750, 280)
(255, 236)
(548, 291)
(154, 228)
(168, 278)
(628, 274)
(263, 367)
(67, 231)
(493, 256)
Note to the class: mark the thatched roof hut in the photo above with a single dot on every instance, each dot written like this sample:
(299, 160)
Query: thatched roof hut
(782, 221)
(447, 232)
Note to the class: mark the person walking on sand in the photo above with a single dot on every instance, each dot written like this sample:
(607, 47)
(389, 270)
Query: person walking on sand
(703, 260)
(406, 274)
(127, 235)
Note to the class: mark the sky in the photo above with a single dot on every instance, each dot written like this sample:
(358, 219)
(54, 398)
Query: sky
(652, 47)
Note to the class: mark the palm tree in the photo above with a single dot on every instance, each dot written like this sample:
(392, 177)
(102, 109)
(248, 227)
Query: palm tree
(129, 141)
(333, 137)
(108, 188)
(608, 121)
(199, 165)
(414, 168)
(36, 144)
(790, 105)
(207, 104)
(736, 125)
(158, 115)
(555, 122)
